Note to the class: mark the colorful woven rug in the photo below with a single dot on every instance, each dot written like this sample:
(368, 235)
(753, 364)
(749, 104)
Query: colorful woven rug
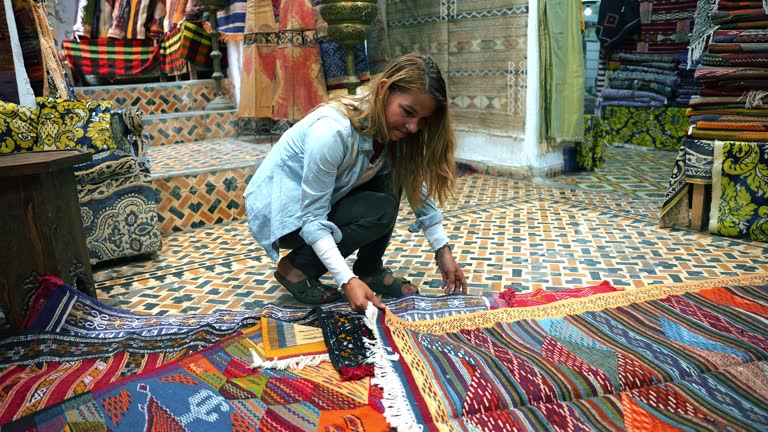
(110, 57)
(75, 344)
(676, 357)
(216, 389)
(188, 42)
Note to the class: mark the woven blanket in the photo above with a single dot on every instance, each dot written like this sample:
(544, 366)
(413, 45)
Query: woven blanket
(611, 94)
(726, 100)
(761, 126)
(188, 42)
(231, 20)
(738, 47)
(743, 36)
(739, 5)
(691, 112)
(111, 57)
(745, 25)
(754, 60)
(675, 357)
(738, 16)
(722, 118)
(730, 135)
(740, 190)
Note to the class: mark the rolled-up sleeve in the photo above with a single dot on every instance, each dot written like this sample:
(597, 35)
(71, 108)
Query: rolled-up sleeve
(430, 219)
(325, 149)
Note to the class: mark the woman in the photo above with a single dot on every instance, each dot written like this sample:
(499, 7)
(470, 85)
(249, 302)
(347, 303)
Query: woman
(332, 185)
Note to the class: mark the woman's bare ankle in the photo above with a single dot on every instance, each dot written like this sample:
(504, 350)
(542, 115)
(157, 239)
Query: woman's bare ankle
(288, 271)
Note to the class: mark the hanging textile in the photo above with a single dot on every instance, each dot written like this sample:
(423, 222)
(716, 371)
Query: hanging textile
(616, 20)
(41, 60)
(282, 74)
(562, 72)
(480, 47)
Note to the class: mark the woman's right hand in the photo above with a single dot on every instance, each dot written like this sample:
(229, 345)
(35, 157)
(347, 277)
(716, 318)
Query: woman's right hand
(359, 294)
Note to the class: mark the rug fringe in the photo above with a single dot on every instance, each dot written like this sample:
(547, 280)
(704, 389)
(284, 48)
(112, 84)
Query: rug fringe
(753, 98)
(295, 363)
(396, 410)
(576, 306)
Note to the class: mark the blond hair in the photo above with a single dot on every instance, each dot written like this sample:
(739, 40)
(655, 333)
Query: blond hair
(425, 157)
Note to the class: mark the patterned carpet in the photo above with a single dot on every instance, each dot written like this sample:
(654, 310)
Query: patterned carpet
(569, 231)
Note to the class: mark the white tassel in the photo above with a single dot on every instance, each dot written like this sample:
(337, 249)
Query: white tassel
(765, 6)
(296, 363)
(396, 409)
(753, 98)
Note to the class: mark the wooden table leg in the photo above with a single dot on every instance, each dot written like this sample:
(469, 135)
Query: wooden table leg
(697, 206)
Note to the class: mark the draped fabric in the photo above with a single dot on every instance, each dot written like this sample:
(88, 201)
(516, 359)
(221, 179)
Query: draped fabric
(480, 47)
(282, 73)
(41, 59)
(616, 20)
(740, 190)
(562, 71)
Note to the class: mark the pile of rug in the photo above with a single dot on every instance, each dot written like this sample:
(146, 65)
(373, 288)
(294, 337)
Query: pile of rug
(689, 356)
(77, 354)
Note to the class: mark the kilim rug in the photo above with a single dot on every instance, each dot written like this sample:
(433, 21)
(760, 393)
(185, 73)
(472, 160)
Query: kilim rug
(75, 344)
(690, 356)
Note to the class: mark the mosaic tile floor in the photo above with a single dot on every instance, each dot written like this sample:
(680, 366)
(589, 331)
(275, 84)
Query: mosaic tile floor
(556, 233)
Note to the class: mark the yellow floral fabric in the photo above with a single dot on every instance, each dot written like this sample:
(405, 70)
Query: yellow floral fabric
(740, 190)
(69, 124)
(18, 128)
(662, 128)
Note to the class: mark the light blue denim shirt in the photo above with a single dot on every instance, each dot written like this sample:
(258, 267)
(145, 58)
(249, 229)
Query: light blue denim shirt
(313, 165)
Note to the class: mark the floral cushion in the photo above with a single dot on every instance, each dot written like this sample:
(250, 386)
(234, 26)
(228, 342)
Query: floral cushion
(66, 124)
(18, 128)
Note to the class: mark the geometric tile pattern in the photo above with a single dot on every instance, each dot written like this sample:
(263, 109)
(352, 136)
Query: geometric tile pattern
(203, 199)
(190, 126)
(553, 234)
(202, 183)
(159, 97)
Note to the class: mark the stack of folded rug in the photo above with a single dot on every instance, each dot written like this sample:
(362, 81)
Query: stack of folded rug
(645, 67)
(734, 74)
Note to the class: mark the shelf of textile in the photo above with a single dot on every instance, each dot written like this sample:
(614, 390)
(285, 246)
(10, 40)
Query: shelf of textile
(658, 127)
(188, 43)
(721, 187)
(111, 57)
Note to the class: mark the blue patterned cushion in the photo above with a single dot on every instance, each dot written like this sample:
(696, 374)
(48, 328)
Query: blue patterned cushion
(66, 124)
(18, 128)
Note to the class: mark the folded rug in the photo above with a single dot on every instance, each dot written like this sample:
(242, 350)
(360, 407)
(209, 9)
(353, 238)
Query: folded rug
(287, 345)
(728, 135)
(750, 35)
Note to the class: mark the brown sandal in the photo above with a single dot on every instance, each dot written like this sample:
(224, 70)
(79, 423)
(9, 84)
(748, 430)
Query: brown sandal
(309, 291)
(395, 289)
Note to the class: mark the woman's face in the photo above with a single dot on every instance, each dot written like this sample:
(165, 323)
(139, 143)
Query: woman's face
(405, 112)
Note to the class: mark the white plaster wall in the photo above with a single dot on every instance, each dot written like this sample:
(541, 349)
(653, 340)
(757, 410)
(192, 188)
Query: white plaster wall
(62, 19)
(26, 96)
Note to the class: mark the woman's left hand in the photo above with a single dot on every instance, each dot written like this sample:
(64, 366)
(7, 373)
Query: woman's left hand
(453, 277)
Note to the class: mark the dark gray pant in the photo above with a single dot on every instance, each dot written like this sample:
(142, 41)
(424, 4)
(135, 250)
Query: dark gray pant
(366, 217)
